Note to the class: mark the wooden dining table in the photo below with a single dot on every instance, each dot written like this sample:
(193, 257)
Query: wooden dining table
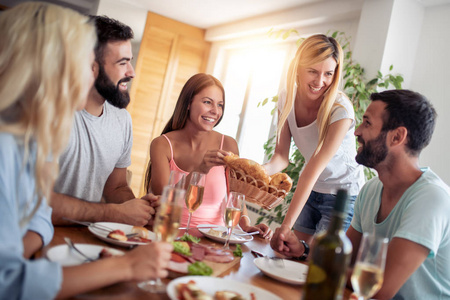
(244, 270)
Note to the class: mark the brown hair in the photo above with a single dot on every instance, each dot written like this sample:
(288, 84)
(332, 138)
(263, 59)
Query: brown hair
(192, 87)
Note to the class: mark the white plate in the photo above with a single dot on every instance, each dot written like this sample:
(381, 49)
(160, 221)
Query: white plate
(68, 257)
(293, 272)
(210, 285)
(103, 235)
(234, 238)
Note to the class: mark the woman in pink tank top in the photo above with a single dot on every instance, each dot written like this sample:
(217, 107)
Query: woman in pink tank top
(188, 143)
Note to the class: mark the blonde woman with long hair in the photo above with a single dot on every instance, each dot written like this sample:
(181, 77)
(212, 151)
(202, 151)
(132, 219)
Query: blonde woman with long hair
(46, 59)
(321, 120)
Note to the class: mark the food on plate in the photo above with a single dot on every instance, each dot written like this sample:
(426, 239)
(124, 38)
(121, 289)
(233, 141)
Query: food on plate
(178, 265)
(182, 248)
(249, 167)
(214, 232)
(105, 253)
(190, 291)
(238, 251)
(199, 268)
(227, 295)
(118, 235)
(142, 236)
(281, 181)
(190, 238)
(141, 231)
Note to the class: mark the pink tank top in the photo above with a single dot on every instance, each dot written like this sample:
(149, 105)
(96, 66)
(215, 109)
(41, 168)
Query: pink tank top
(215, 190)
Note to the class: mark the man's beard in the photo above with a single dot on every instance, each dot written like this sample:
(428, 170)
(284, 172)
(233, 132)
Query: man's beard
(372, 152)
(109, 91)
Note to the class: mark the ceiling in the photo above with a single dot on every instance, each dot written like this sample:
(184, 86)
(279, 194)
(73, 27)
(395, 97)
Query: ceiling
(210, 13)
(203, 13)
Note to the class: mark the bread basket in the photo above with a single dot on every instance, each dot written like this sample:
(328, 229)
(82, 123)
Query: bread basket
(255, 191)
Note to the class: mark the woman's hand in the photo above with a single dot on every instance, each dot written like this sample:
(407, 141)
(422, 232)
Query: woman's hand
(264, 230)
(212, 158)
(149, 261)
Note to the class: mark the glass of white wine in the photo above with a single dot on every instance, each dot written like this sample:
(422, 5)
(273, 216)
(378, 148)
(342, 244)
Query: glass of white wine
(167, 222)
(368, 273)
(194, 195)
(177, 180)
(232, 207)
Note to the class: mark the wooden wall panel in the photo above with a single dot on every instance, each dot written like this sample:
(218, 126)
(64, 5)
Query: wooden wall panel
(170, 53)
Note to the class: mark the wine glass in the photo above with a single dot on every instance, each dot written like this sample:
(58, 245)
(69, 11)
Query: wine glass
(368, 273)
(167, 222)
(232, 207)
(194, 195)
(177, 179)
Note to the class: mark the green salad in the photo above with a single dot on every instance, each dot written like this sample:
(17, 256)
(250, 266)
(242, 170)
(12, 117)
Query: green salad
(199, 268)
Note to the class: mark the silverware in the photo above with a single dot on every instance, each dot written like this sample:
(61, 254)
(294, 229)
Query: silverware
(224, 234)
(246, 233)
(72, 246)
(277, 260)
(98, 226)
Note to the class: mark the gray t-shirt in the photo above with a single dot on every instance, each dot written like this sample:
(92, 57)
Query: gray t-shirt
(96, 146)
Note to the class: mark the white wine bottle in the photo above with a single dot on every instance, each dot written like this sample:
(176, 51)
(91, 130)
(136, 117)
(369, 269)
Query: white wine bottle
(330, 256)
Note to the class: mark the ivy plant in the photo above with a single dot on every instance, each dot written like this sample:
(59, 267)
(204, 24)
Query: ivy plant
(358, 90)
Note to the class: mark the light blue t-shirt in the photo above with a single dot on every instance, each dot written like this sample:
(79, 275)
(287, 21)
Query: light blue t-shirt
(21, 278)
(422, 216)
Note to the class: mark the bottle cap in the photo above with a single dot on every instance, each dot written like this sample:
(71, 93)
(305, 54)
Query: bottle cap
(341, 201)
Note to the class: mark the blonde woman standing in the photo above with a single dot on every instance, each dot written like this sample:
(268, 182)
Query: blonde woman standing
(321, 121)
(46, 60)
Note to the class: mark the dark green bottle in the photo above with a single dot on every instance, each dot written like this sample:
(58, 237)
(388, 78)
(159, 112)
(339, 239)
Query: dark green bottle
(330, 256)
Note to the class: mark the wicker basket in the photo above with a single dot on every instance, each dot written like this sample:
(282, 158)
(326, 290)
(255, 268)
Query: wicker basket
(255, 191)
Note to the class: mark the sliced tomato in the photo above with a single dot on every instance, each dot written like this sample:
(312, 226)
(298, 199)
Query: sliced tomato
(177, 258)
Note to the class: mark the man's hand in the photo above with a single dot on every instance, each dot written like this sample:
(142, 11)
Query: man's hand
(136, 212)
(286, 242)
(154, 203)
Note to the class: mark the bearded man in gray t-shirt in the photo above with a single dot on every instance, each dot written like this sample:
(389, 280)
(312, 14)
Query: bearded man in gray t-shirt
(94, 165)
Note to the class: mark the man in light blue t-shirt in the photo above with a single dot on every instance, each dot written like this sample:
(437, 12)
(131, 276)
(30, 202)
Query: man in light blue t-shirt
(408, 204)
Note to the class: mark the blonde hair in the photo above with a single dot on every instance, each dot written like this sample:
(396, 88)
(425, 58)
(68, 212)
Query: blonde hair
(313, 50)
(45, 55)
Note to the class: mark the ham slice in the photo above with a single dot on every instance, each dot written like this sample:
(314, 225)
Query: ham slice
(178, 267)
(212, 253)
(226, 258)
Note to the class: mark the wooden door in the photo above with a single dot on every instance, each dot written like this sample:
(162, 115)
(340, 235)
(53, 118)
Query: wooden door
(170, 53)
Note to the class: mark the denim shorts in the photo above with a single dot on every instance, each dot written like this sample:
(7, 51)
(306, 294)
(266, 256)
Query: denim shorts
(316, 214)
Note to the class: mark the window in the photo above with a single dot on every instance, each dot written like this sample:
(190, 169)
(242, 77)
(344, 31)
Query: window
(250, 76)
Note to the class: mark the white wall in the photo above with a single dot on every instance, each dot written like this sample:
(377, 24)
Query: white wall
(430, 78)
(413, 38)
(132, 16)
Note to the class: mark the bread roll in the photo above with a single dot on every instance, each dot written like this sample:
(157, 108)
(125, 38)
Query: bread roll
(249, 167)
(118, 235)
(141, 231)
(281, 181)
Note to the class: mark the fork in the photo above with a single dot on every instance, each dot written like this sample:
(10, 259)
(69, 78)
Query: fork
(72, 246)
(98, 226)
(277, 260)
